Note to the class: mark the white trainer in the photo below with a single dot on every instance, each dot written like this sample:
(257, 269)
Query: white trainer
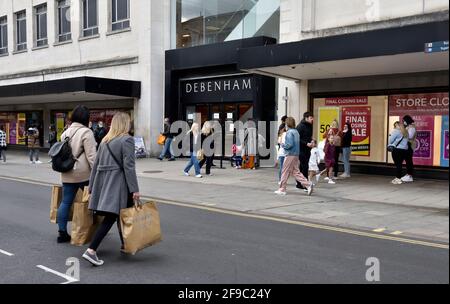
(407, 179)
(185, 173)
(199, 176)
(38, 162)
(331, 182)
(397, 181)
(279, 192)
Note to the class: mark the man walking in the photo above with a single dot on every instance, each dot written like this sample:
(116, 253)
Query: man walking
(168, 143)
(305, 129)
(33, 145)
(99, 133)
(2, 144)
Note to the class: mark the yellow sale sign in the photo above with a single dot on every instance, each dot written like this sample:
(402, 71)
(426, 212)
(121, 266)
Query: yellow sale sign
(326, 117)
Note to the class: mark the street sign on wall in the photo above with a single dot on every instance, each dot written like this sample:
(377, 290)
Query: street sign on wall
(435, 47)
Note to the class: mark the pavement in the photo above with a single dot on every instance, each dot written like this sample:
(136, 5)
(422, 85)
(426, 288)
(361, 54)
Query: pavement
(204, 247)
(419, 210)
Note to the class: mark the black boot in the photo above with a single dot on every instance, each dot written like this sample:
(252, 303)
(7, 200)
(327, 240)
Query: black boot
(63, 237)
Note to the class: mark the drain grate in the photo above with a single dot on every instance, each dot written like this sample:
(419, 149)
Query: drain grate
(152, 172)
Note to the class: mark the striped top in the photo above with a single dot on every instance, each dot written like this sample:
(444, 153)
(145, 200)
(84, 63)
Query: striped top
(2, 139)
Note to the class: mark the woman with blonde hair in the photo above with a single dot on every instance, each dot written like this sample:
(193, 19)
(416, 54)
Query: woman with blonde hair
(113, 184)
(194, 147)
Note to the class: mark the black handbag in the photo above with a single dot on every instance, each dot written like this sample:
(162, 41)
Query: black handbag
(391, 148)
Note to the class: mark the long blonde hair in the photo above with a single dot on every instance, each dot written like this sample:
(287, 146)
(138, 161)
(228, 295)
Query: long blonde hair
(120, 126)
(207, 128)
(194, 129)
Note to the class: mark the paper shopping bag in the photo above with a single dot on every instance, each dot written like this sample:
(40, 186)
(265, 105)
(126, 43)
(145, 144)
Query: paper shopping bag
(84, 223)
(56, 199)
(140, 227)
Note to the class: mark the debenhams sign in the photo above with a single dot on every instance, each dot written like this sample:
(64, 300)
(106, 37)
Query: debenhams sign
(218, 89)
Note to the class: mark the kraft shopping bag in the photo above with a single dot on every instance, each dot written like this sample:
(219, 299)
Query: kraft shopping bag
(140, 227)
(56, 199)
(84, 223)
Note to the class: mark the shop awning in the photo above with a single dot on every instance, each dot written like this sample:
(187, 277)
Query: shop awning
(70, 89)
(377, 52)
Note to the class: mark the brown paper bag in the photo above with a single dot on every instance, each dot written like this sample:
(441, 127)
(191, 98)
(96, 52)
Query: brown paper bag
(57, 195)
(140, 227)
(84, 223)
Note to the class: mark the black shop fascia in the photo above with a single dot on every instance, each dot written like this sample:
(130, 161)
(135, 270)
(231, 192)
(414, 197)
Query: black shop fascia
(204, 83)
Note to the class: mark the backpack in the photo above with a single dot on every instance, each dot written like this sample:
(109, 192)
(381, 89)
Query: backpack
(62, 157)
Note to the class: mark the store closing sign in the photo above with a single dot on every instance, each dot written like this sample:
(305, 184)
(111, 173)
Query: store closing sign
(360, 120)
(423, 155)
(419, 104)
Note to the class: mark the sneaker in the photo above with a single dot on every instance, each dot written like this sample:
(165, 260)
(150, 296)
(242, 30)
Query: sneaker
(93, 258)
(31, 162)
(210, 174)
(160, 158)
(397, 181)
(407, 179)
(38, 162)
(331, 182)
(345, 175)
(327, 179)
(172, 159)
(199, 176)
(310, 190)
(63, 237)
(279, 192)
(185, 173)
(305, 190)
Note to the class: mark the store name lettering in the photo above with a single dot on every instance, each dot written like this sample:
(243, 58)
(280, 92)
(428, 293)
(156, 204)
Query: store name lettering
(218, 86)
(421, 102)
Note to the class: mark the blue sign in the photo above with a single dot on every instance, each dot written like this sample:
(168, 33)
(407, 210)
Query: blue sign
(435, 47)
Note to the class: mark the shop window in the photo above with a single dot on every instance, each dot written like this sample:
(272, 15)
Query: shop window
(368, 116)
(430, 113)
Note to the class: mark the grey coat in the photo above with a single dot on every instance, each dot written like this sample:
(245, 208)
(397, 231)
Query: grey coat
(109, 184)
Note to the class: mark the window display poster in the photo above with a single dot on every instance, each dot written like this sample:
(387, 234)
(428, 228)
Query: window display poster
(60, 124)
(139, 147)
(423, 154)
(445, 142)
(360, 120)
(326, 117)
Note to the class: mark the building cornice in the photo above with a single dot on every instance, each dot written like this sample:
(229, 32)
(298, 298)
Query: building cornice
(73, 68)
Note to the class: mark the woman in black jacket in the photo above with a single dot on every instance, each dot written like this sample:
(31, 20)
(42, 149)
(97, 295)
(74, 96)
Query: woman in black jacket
(208, 147)
(347, 136)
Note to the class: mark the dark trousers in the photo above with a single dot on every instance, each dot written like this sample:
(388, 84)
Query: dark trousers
(399, 156)
(304, 165)
(105, 227)
(338, 151)
(208, 160)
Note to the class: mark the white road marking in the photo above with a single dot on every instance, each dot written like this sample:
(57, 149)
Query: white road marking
(397, 233)
(64, 276)
(6, 253)
(379, 230)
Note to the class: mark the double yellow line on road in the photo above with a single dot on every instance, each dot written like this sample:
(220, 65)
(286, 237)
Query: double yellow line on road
(208, 207)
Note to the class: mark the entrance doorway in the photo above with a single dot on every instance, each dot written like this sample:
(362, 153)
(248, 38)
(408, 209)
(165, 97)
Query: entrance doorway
(226, 114)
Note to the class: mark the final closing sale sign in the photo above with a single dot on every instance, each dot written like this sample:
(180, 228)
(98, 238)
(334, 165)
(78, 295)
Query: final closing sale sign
(360, 120)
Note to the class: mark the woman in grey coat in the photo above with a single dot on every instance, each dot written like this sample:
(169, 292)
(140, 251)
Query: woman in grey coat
(113, 184)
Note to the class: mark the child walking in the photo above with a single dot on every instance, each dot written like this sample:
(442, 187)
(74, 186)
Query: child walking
(314, 161)
(330, 153)
(237, 150)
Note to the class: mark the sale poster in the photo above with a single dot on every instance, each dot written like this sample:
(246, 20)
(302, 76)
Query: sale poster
(326, 117)
(21, 129)
(445, 142)
(360, 120)
(423, 154)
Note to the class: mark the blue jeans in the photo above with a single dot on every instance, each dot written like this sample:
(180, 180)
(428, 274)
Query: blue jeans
(193, 162)
(167, 148)
(346, 152)
(34, 154)
(280, 163)
(69, 193)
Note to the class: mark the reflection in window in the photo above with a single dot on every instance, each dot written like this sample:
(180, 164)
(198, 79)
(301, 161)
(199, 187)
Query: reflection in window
(120, 13)
(201, 22)
(41, 25)
(3, 35)
(90, 19)
(64, 30)
(21, 31)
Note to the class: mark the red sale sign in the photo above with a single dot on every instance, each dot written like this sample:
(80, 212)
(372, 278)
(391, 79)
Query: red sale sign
(423, 154)
(360, 120)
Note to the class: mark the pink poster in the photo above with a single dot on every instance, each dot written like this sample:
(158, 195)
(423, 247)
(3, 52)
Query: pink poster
(423, 155)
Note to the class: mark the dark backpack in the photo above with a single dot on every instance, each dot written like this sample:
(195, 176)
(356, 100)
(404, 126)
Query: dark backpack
(62, 157)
